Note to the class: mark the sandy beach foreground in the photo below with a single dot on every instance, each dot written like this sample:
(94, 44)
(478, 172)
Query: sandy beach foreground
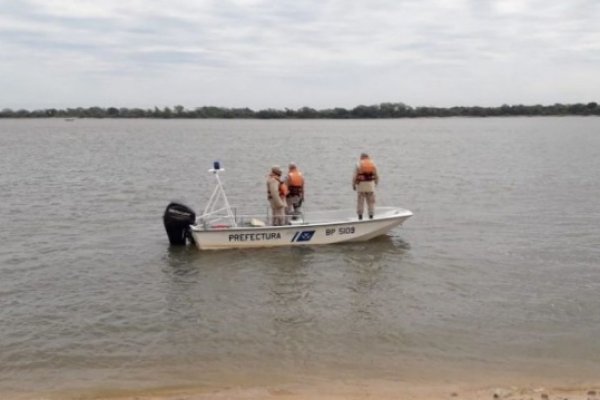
(371, 389)
(374, 392)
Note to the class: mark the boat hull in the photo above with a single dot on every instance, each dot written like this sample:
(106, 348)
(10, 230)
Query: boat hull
(349, 230)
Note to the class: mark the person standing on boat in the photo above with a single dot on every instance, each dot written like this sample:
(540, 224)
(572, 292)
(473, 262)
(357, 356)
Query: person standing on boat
(295, 184)
(276, 193)
(364, 180)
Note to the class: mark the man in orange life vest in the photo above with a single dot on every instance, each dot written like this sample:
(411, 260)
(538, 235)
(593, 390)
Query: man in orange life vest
(276, 193)
(295, 185)
(364, 180)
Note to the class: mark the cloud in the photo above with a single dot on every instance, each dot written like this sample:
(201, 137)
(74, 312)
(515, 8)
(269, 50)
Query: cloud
(288, 54)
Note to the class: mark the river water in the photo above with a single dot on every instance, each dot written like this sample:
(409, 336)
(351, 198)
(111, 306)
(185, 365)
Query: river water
(497, 273)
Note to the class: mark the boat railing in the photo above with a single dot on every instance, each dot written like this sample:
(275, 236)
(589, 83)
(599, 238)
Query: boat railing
(215, 220)
(223, 220)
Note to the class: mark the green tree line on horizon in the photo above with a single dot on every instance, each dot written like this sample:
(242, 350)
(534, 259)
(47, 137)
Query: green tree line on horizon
(383, 110)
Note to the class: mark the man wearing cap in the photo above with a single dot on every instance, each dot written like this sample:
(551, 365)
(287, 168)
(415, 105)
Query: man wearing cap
(295, 184)
(364, 180)
(276, 193)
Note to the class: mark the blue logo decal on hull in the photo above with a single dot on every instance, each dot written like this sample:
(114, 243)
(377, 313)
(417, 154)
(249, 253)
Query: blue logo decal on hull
(303, 236)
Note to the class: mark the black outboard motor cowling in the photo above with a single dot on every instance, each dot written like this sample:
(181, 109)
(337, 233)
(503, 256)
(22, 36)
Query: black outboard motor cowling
(177, 219)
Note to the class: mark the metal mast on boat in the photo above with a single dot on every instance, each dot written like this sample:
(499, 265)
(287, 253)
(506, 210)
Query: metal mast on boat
(218, 196)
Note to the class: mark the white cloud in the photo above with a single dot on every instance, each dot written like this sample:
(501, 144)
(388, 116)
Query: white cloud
(74, 9)
(289, 54)
(511, 6)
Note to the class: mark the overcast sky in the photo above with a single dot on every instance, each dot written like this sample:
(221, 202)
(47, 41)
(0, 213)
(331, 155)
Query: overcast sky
(316, 53)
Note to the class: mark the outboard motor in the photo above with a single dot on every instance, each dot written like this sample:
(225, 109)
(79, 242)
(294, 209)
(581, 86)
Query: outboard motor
(177, 219)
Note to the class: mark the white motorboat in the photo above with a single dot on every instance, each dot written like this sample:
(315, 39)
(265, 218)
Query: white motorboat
(219, 227)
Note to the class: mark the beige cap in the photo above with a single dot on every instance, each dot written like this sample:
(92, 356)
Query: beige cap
(276, 170)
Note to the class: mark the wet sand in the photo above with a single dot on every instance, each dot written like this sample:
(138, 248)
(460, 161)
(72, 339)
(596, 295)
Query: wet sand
(367, 389)
(417, 380)
(374, 390)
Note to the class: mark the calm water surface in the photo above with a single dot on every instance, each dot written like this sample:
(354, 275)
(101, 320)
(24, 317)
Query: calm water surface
(498, 270)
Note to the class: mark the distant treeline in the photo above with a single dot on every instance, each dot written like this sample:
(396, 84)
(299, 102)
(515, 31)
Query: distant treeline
(383, 110)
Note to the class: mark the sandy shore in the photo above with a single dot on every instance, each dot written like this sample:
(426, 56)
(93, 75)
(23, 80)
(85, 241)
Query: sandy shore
(376, 390)
(372, 389)
(411, 380)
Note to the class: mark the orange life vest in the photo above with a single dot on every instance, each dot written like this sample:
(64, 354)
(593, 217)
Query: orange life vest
(366, 170)
(295, 183)
(283, 189)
